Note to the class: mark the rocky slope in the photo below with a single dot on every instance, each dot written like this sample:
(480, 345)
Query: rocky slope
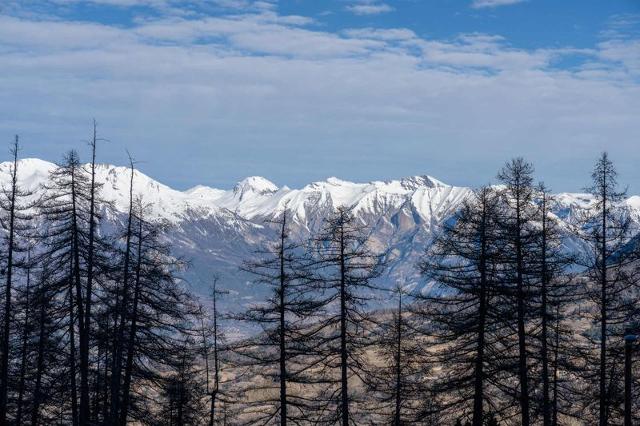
(217, 229)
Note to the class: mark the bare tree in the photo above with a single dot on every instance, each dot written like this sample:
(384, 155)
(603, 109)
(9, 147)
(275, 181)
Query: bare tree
(121, 305)
(517, 215)
(611, 266)
(93, 217)
(213, 348)
(15, 223)
(460, 315)
(397, 380)
(278, 349)
(345, 268)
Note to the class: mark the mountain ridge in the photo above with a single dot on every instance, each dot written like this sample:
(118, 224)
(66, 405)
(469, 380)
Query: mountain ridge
(217, 229)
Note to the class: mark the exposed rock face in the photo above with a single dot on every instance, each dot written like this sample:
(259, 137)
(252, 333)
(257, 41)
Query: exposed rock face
(217, 229)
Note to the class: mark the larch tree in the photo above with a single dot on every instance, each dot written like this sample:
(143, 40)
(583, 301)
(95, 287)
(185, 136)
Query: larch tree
(276, 355)
(398, 378)
(460, 317)
(611, 265)
(64, 208)
(213, 348)
(518, 233)
(556, 290)
(15, 220)
(345, 269)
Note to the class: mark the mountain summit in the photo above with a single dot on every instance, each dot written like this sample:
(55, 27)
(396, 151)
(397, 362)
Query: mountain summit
(218, 229)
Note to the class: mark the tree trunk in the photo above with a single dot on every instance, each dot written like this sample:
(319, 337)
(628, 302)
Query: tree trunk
(556, 349)
(478, 393)
(86, 329)
(35, 409)
(603, 312)
(123, 307)
(281, 331)
(397, 415)
(522, 345)
(546, 405)
(344, 382)
(4, 368)
(132, 333)
(25, 339)
(84, 364)
(72, 361)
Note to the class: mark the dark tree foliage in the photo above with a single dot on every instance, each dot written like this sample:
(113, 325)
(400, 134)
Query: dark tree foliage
(122, 296)
(554, 291)
(518, 277)
(15, 223)
(93, 258)
(214, 350)
(182, 391)
(158, 314)
(344, 267)
(275, 357)
(98, 328)
(612, 290)
(64, 234)
(396, 380)
(461, 317)
(68, 332)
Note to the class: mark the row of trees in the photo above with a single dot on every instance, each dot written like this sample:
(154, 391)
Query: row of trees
(96, 325)
(523, 323)
(516, 328)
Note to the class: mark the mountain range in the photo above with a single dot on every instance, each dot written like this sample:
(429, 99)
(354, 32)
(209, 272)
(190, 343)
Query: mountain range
(217, 229)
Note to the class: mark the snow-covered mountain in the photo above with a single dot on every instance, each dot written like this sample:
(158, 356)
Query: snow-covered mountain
(217, 229)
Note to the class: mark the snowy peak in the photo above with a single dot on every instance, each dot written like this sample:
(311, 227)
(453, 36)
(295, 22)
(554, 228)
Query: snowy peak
(254, 185)
(425, 181)
(31, 172)
(205, 192)
(218, 229)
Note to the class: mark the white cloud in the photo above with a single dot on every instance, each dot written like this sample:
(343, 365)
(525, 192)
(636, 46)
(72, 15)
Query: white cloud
(369, 8)
(479, 4)
(176, 5)
(387, 34)
(624, 52)
(484, 52)
(245, 86)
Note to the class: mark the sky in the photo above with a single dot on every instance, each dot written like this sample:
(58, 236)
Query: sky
(211, 91)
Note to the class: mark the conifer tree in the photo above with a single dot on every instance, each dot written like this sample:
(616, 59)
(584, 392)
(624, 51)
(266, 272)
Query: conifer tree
(398, 379)
(213, 341)
(158, 316)
(14, 222)
(460, 315)
(345, 268)
(94, 218)
(277, 353)
(611, 269)
(64, 208)
(182, 391)
(518, 233)
(122, 295)
(556, 290)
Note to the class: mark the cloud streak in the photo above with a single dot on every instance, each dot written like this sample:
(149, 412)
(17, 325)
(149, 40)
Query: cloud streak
(480, 4)
(369, 8)
(270, 94)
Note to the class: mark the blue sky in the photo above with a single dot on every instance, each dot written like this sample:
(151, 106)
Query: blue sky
(208, 92)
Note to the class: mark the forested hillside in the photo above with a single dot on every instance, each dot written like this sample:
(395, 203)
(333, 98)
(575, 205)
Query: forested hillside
(403, 302)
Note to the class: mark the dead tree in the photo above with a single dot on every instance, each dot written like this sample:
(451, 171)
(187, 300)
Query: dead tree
(460, 316)
(345, 269)
(277, 352)
(14, 222)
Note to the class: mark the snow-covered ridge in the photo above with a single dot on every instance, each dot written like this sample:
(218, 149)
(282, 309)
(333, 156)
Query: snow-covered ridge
(257, 197)
(218, 229)
(426, 199)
